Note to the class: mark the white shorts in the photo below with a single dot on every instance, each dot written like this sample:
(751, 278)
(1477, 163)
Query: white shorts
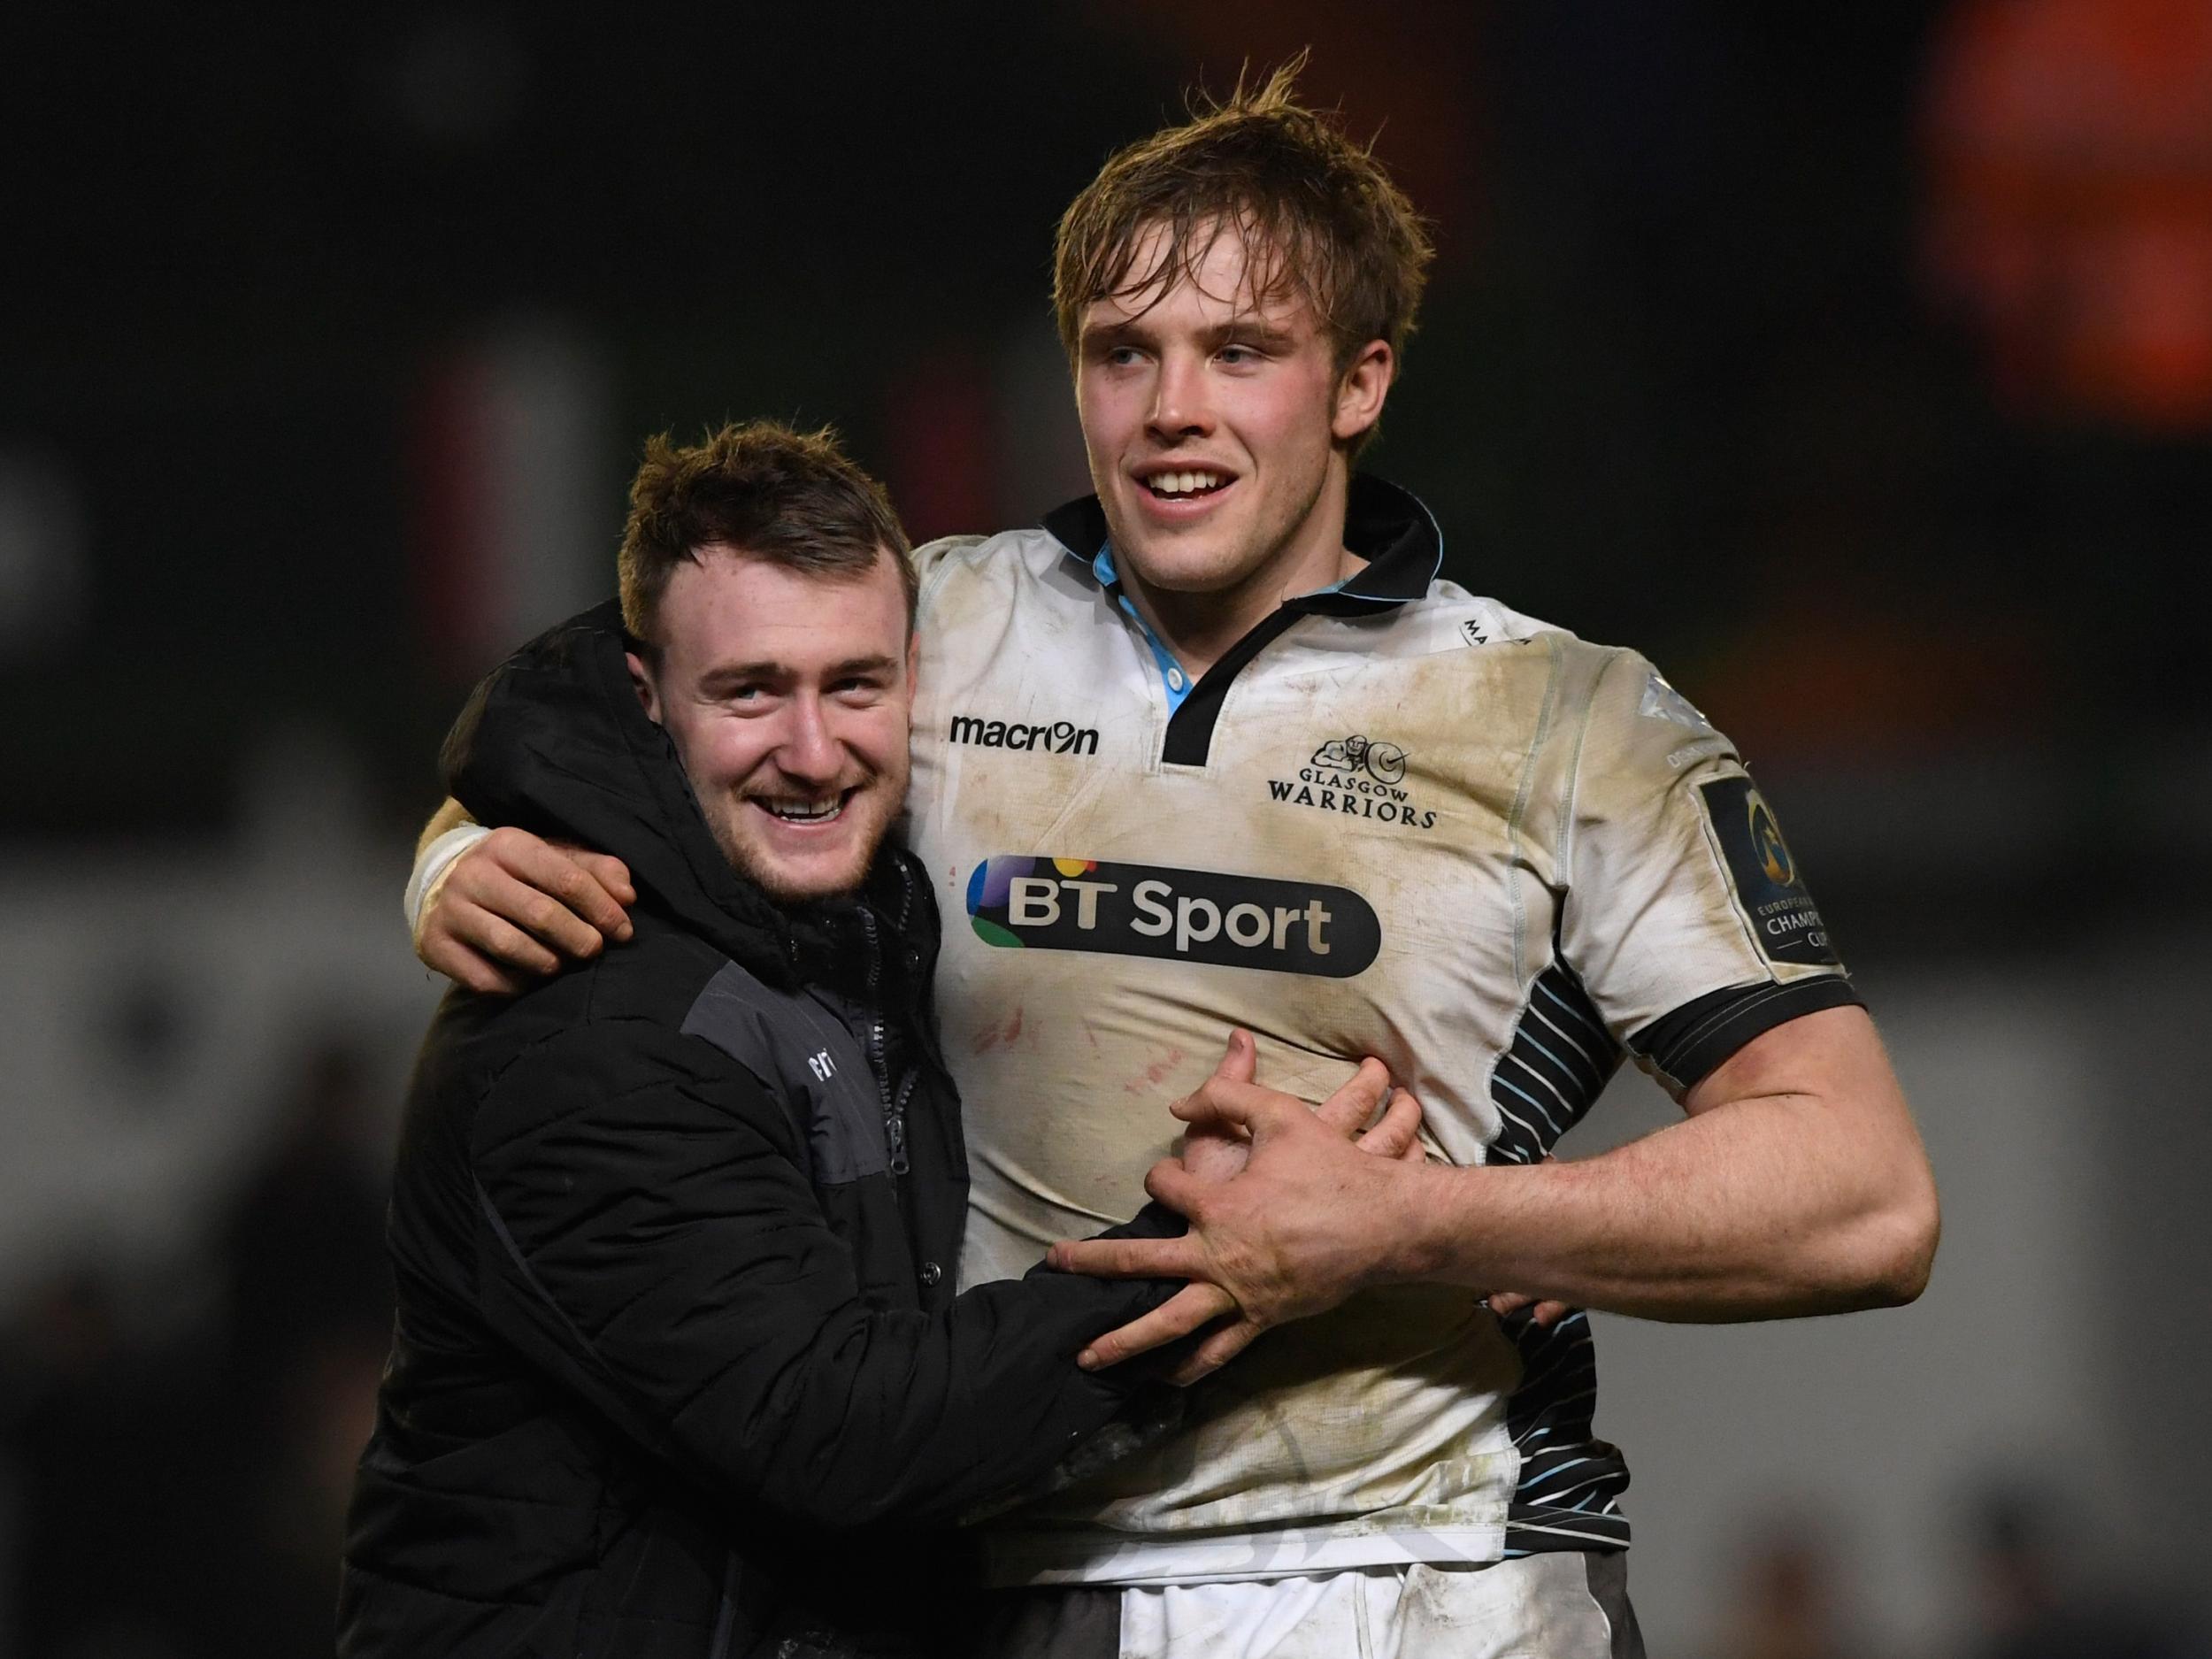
(1562, 1605)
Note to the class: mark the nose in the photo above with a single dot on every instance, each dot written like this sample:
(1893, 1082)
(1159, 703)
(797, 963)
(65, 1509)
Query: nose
(1181, 405)
(809, 753)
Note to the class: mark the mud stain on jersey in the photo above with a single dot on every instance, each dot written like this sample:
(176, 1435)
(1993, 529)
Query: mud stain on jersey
(1148, 1080)
(994, 1036)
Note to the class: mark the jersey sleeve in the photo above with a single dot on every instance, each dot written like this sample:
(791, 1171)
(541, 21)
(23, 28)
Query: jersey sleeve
(930, 560)
(1686, 917)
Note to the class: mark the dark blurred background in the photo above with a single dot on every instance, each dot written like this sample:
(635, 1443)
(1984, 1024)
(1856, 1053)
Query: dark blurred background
(1856, 365)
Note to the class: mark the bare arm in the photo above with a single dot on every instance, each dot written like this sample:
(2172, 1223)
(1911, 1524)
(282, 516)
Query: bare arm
(514, 906)
(1795, 1185)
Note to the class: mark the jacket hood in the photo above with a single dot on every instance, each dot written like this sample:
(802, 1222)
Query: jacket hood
(555, 741)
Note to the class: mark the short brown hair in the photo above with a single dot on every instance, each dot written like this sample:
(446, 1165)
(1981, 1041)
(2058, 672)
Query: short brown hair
(1316, 213)
(794, 498)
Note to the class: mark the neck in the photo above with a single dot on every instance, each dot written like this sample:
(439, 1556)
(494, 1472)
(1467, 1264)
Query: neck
(1199, 628)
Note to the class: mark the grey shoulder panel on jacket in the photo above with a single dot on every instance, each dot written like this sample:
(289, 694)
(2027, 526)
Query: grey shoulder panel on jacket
(808, 1058)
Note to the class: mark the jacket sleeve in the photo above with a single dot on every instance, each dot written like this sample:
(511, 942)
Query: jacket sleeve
(650, 1237)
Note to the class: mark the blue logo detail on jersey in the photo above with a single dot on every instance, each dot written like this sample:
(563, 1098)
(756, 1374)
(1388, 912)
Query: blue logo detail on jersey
(1766, 840)
(1228, 921)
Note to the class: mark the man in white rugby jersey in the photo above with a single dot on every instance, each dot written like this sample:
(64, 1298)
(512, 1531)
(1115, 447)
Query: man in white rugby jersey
(1214, 747)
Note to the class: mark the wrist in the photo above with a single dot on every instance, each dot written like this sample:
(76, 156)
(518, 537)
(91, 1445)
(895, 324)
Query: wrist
(1424, 1226)
(434, 861)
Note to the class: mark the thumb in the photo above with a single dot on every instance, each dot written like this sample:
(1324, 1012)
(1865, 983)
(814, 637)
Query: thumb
(1239, 1059)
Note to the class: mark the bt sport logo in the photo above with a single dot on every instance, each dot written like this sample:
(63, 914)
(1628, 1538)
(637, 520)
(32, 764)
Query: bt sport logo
(1040, 903)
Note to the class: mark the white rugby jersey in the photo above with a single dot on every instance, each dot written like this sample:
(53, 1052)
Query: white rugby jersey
(1397, 820)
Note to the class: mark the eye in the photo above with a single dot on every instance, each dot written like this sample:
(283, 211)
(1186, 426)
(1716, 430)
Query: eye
(1237, 355)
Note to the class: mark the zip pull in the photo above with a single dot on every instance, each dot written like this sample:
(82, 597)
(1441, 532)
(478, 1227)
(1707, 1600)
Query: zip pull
(894, 1124)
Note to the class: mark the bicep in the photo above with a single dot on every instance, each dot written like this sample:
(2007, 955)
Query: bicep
(1832, 1053)
(1834, 1056)
(1844, 1159)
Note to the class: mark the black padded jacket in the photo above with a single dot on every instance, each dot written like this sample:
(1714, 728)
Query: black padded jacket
(678, 1367)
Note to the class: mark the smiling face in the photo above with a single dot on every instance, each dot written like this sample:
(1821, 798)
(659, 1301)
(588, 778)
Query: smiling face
(788, 697)
(1217, 420)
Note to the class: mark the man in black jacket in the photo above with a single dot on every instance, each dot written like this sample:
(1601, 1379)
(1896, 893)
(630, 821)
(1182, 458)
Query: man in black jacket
(678, 1367)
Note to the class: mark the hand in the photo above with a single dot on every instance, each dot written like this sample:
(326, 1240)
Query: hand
(1283, 1135)
(1545, 1314)
(497, 915)
(1216, 1150)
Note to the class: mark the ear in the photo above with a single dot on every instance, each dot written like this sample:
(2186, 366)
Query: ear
(1360, 394)
(913, 661)
(641, 682)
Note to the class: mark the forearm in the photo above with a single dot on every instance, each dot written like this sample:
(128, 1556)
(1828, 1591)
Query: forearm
(912, 1418)
(812, 1405)
(1743, 1214)
(689, 1282)
(982, 1401)
(1774, 1198)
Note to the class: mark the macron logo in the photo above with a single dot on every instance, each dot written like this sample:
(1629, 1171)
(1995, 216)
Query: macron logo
(821, 1065)
(1062, 737)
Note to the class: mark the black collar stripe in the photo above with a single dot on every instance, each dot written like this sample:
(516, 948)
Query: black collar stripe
(1387, 526)
(1080, 526)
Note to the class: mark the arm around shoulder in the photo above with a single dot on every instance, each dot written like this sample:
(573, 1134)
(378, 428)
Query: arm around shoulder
(494, 909)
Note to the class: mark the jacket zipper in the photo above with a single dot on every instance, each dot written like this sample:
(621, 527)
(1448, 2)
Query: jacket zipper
(893, 1106)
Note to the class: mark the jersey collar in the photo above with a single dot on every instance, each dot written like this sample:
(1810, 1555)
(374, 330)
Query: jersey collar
(1383, 523)
(1387, 526)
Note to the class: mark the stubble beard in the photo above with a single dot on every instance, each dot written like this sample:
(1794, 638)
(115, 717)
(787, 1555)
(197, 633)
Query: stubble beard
(767, 874)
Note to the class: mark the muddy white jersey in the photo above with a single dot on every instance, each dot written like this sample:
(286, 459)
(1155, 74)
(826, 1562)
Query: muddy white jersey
(1397, 819)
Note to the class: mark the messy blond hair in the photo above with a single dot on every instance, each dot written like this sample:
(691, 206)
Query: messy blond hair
(1319, 217)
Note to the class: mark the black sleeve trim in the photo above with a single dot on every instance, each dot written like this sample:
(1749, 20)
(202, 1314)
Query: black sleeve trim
(1688, 1045)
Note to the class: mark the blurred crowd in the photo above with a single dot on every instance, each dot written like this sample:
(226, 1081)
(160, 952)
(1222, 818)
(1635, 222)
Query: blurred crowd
(179, 1443)
(2023, 1593)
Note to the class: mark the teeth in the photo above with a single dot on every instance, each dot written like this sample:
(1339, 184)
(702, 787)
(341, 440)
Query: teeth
(1184, 483)
(805, 813)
